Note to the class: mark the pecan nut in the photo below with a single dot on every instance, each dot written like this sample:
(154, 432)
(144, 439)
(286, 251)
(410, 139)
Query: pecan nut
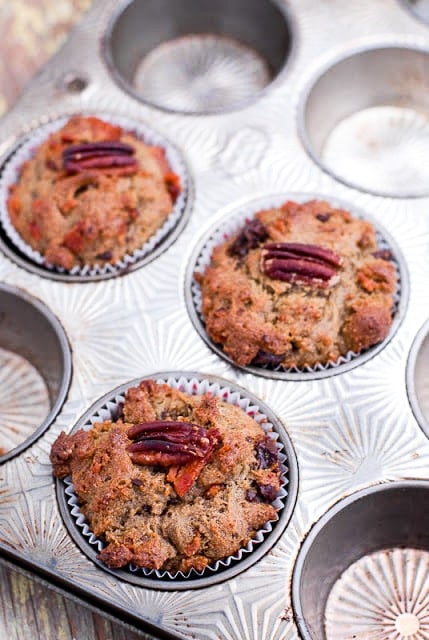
(300, 263)
(105, 155)
(167, 443)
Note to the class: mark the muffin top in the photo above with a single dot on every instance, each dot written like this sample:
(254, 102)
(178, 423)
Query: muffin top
(91, 193)
(298, 285)
(176, 482)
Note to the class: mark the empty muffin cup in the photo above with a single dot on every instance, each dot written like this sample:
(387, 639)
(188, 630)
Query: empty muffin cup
(362, 572)
(365, 120)
(199, 57)
(418, 377)
(109, 407)
(35, 369)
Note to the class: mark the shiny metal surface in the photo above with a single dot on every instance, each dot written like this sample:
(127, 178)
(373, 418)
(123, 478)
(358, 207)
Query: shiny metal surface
(385, 592)
(350, 431)
(366, 560)
(200, 57)
(418, 377)
(200, 73)
(35, 369)
(365, 120)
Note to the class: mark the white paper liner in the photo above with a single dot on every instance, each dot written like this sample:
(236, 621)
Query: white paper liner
(233, 223)
(12, 169)
(193, 386)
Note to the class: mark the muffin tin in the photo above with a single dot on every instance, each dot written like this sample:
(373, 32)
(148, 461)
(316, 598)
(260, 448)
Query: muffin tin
(360, 436)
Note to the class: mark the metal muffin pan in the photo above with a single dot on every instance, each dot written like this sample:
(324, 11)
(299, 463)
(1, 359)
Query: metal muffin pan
(365, 120)
(351, 432)
(418, 377)
(198, 57)
(35, 373)
(382, 534)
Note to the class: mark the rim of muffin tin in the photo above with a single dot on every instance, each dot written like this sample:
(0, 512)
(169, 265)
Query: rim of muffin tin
(249, 554)
(60, 336)
(413, 398)
(168, 233)
(238, 214)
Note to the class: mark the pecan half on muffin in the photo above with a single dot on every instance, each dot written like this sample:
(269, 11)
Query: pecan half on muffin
(177, 482)
(298, 285)
(91, 193)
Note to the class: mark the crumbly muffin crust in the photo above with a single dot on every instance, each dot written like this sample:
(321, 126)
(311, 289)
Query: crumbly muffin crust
(98, 208)
(298, 320)
(172, 517)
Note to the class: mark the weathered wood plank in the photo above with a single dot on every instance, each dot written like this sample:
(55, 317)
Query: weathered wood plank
(7, 611)
(31, 611)
(30, 32)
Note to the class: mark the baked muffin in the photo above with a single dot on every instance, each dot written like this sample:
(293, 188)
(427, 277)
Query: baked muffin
(91, 193)
(297, 286)
(177, 482)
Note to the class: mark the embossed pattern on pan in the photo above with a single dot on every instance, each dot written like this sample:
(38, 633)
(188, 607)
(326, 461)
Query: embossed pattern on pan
(195, 384)
(350, 431)
(154, 245)
(361, 601)
(24, 400)
(229, 224)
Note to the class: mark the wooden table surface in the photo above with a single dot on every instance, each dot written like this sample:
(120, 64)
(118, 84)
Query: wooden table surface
(30, 610)
(30, 32)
